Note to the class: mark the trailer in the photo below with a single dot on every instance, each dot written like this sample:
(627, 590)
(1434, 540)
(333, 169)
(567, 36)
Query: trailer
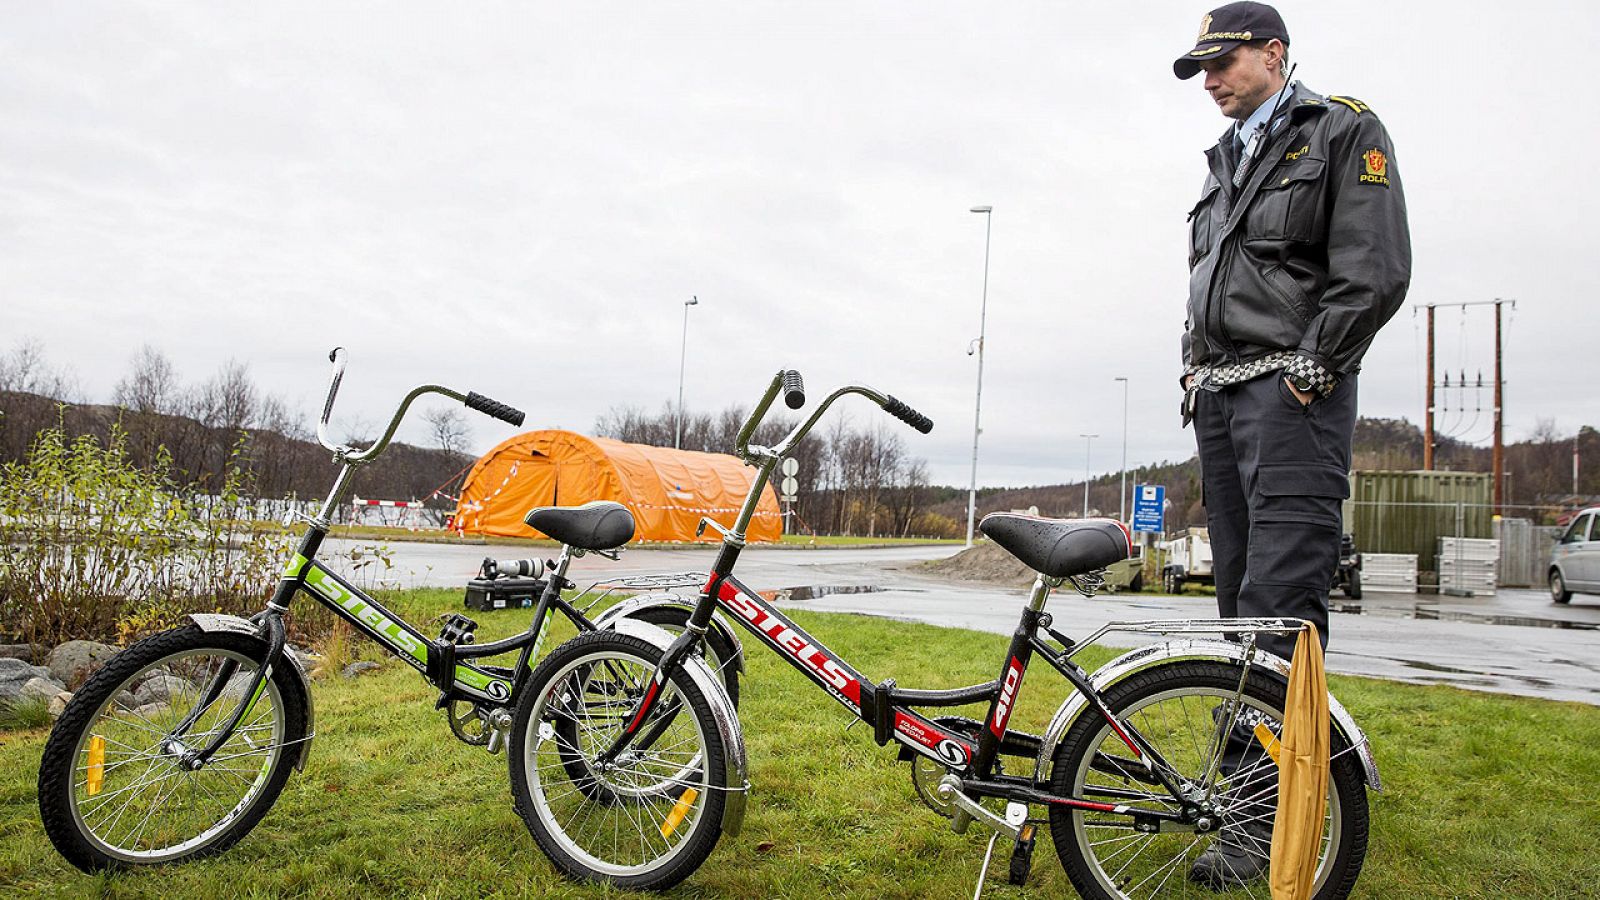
(1188, 558)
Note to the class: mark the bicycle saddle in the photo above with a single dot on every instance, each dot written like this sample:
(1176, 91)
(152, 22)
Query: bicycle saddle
(596, 525)
(1058, 548)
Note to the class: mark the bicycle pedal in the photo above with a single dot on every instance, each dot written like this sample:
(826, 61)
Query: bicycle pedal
(1022, 856)
(458, 629)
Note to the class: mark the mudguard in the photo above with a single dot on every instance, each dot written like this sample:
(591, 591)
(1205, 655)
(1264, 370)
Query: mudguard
(237, 625)
(1136, 661)
(736, 776)
(633, 605)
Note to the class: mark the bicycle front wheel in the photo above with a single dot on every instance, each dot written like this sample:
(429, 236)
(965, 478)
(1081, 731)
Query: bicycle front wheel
(113, 788)
(648, 818)
(1177, 707)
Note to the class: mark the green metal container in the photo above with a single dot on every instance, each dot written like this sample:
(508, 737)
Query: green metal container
(1407, 512)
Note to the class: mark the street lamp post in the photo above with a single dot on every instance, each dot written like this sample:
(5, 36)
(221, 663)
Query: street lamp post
(977, 406)
(1122, 492)
(1088, 441)
(683, 359)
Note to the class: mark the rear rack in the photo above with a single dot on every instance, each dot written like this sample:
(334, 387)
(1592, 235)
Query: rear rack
(1246, 628)
(664, 581)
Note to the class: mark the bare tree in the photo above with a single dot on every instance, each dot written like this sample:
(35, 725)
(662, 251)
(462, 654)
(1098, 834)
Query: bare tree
(228, 400)
(24, 369)
(277, 417)
(359, 431)
(151, 386)
(448, 428)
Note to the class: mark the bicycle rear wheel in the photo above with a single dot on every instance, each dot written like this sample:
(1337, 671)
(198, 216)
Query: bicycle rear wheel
(113, 791)
(1175, 707)
(646, 820)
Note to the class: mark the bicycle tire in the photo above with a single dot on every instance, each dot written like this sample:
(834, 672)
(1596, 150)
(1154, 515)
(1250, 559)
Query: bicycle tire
(1188, 691)
(636, 799)
(188, 800)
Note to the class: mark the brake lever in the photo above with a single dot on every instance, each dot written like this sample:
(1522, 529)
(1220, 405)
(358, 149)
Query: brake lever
(706, 520)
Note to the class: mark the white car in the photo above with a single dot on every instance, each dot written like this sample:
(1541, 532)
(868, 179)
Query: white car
(1575, 559)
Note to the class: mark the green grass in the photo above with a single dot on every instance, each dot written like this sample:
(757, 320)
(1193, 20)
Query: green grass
(25, 713)
(1485, 796)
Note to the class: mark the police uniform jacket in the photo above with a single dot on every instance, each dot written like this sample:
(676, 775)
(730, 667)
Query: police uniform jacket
(1299, 266)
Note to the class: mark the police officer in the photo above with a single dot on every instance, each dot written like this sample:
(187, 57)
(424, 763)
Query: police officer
(1299, 252)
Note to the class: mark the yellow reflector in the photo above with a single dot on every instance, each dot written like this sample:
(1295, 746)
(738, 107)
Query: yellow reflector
(97, 764)
(1268, 740)
(679, 810)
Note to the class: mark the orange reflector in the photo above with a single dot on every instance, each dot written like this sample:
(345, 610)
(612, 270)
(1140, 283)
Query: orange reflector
(679, 810)
(97, 764)
(1268, 740)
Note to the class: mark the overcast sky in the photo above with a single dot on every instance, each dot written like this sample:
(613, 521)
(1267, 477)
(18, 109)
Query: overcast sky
(517, 199)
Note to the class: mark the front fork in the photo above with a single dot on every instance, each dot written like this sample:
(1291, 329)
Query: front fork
(694, 632)
(272, 630)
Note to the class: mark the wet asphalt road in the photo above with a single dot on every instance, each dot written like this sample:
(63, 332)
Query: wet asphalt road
(1514, 642)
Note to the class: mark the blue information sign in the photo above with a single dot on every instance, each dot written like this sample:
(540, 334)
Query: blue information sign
(1149, 507)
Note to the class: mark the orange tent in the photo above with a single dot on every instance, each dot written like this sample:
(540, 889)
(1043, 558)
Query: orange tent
(667, 490)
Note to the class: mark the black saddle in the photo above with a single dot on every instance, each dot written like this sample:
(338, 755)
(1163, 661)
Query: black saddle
(1058, 548)
(596, 525)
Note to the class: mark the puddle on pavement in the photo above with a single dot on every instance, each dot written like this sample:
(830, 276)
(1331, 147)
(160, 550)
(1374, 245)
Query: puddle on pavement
(1451, 615)
(1435, 667)
(813, 591)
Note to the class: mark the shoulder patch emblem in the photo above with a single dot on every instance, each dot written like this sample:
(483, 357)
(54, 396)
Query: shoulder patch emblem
(1351, 102)
(1374, 168)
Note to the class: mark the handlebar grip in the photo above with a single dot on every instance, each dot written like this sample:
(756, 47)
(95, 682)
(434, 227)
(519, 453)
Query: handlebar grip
(794, 389)
(508, 414)
(908, 415)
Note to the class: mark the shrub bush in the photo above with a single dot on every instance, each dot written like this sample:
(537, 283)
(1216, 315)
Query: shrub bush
(98, 548)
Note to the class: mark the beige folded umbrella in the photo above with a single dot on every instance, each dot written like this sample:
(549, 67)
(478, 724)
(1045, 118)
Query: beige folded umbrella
(1302, 773)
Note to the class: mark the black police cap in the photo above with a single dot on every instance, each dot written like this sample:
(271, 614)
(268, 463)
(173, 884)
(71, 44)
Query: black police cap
(1225, 28)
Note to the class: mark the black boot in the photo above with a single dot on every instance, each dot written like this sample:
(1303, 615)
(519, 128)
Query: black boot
(1243, 845)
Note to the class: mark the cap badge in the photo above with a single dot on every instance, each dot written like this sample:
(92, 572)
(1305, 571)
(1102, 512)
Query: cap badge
(1205, 26)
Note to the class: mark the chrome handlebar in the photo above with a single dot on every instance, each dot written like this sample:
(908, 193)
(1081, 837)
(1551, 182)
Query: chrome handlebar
(765, 458)
(756, 455)
(347, 454)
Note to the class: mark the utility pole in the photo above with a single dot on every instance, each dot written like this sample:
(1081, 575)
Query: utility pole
(1427, 428)
(1122, 492)
(1088, 442)
(1499, 432)
(1429, 439)
(977, 405)
(683, 360)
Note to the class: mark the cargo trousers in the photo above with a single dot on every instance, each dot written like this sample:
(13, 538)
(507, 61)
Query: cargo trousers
(1274, 474)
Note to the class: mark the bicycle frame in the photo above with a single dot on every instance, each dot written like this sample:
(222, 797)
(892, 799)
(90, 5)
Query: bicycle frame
(446, 664)
(393, 633)
(886, 706)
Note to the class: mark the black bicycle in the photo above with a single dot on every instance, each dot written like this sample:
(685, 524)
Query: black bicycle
(182, 742)
(627, 760)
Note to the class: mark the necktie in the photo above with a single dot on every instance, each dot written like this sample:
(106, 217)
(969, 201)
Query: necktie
(1247, 153)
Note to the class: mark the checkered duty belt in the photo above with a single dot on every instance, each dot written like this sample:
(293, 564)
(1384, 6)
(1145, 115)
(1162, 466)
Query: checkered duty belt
(1211, 377)
(1222, 376)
